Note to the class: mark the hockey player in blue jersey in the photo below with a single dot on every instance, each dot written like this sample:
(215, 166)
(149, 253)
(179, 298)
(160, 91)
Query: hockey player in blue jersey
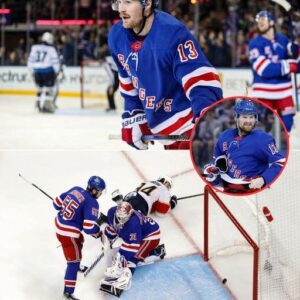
(165, 79)
(140, 235)
(245, 159)
(273, 58)
(77, 210)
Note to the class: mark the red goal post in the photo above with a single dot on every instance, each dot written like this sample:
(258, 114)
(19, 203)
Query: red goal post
(210, 195)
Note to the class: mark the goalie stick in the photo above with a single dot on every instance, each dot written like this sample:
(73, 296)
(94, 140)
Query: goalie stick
(155, 137)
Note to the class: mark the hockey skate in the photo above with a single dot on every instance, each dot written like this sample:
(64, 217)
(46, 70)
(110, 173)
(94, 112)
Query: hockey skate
(160, 251)
(68, 296)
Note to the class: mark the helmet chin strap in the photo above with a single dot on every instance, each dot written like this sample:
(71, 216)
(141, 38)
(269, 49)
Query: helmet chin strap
(144, 22)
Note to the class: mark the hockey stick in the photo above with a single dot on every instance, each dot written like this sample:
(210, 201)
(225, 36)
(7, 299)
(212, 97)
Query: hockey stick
(191, 196)
(34, 185)
(155, 137)
(94, 263)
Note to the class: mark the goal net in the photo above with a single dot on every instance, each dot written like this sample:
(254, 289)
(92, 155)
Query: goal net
(93, 85)
(254, 241)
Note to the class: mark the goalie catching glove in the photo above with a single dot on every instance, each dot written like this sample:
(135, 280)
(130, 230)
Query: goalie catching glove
(134, 126)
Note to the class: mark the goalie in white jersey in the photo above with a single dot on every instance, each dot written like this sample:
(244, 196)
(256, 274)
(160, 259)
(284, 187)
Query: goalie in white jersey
(151, 197)
(44, 65)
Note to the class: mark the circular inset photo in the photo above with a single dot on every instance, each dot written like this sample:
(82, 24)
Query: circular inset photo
(239, 146)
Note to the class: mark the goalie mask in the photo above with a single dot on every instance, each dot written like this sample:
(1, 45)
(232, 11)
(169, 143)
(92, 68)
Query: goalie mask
(123, 212)
(166, 181)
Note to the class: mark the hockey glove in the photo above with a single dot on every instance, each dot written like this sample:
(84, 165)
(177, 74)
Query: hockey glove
(116, 196)
(289, 66)
(221, 163)
(210, 172)
(256, 183)
(173, 202)
(102, 219)
(134, 127)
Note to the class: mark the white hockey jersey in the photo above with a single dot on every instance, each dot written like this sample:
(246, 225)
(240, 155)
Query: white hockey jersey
(43, 58)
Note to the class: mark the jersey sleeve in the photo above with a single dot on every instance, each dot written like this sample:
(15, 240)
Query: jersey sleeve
(220, 148)
(162, 205)
(197, 76)
(261, 64)
(54, 60)
(275, 159)
(58, 201)
(91, 209)
(109, 230)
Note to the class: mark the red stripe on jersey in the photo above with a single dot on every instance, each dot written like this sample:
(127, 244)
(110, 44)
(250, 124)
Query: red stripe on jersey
(157, 232)
(179, 123)
(272, 89)
(58, 201)
(65, 228)
(126, 86)
(131, 247)
(110, 229)
(162, 207)
(206, 77)
(259, 65)
(88, 224)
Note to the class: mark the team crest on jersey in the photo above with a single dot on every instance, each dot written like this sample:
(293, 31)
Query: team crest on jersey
(133, 237)
(137, 45)
(273, 148)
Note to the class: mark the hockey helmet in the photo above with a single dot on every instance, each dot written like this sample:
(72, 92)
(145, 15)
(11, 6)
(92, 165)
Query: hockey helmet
(265, 14)
(123, 212)
(245, 107)
(166, 180)
(96, 182)
(115, 4)
(48, 38)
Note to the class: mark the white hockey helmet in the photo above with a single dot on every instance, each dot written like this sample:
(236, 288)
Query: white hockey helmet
(166, 180)
(48, 38)
(123, 212)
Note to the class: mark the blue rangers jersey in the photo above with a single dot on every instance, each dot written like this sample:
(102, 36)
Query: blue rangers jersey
(78, 211)
(166, 75)
(250, 156)
(133, 232)
(269, 79)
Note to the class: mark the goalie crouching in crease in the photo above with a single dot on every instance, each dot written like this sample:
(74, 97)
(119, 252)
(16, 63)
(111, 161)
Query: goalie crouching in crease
(140, 235)
(245, 159)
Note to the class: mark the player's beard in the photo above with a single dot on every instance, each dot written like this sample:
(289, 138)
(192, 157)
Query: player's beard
(245, 128)
(261, 32)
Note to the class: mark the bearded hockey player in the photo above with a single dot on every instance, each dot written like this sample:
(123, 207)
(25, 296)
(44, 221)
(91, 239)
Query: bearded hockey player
(245, 158)
(44, 65)
(77, 210)
(140, 235)
(151, 197)
(273, 58)
(165, 79)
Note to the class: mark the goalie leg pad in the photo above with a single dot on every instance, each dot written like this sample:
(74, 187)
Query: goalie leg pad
(122, 283)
